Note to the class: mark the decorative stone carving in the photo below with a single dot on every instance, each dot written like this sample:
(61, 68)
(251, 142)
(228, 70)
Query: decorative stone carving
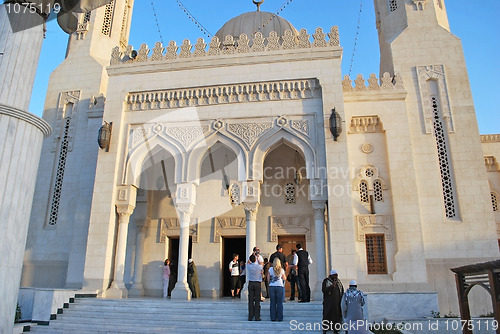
(273, 43)
(304, 39)
(243, 42)
(185, 49)
(209, 95)
(289, 40)
(368, 224)
(298, 224)
(347, 84)
(228, 45)
(366, 124)
(228, 226)
(171, 227)
(360, 83)
(116, 56)
(373, 82)
(490, 138)
(199, 48)
(214, 48)
(65, 127)
(301, 126)
(419, 4)
(434, 72)
(366, 148)
(388, 83)
(258, 43)
(171, 50)
(491, 164)
(319, 38)
(142, 54)
(334, 36)
(186, 135)
(157, 52)
(249, 132)
(281, 121)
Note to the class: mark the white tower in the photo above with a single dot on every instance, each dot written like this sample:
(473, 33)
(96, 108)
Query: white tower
(55, 251)
(454, 203)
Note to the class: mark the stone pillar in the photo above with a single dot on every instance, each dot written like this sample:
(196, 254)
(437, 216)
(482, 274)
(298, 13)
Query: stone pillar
(319, 236)
(137, 290)
(21, 137)
(125, 207)
(185, 202)
(250, 196)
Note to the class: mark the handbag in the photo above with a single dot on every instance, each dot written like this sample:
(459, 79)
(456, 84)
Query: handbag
(289, 277)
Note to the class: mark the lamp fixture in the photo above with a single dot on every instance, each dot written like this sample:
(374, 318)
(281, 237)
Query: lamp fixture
(298, 175)
(104, 136)
(335, 124)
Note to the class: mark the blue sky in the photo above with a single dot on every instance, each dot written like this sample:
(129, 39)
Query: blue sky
(475, 23)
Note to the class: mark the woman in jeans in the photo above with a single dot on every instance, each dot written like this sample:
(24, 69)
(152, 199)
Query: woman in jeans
(276, 278)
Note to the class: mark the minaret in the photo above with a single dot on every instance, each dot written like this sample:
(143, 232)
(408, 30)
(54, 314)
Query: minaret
(453, 197)
(74, 108)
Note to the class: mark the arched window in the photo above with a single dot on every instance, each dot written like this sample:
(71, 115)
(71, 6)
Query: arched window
(235, 196)
(363, 192)
(377, 191)
(494, 201)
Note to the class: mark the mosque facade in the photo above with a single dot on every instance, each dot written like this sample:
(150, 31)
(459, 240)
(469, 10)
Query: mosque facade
(254, 138)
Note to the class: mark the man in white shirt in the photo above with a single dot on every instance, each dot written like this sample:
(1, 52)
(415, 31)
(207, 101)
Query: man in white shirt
(301, 261)
(234, 269)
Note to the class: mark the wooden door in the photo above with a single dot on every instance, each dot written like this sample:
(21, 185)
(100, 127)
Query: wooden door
(289, 242)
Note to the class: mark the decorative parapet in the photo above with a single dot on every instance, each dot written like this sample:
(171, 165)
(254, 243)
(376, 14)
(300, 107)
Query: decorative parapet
(491, 163)
(494, 138)
(230, 45)
(299, 224)
(366, 124)
(211, 95)
(367, 224)
(386, 83)
(172, 227)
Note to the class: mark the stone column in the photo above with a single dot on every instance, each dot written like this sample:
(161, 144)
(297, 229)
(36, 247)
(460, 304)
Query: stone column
(137, 290)
(250, 196)
(185, 202)
(125, 206)
(319, 236)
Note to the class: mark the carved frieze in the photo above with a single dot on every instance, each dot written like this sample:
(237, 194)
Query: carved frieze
(387, 83)
(368, 224)
(186, 135)
(171, 227)
(229, 226)
(301, 126)
(210, 95)
(298, 224)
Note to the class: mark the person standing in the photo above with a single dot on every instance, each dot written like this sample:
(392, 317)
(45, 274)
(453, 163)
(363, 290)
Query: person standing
(352, 309)
(332, 296)
(302, 260)
(267, 264)
(293, 276)
(166, 277)
(234, 269)
(279, 254)
(276, 277)
(192, 278)
(243, 276)
(254, 272)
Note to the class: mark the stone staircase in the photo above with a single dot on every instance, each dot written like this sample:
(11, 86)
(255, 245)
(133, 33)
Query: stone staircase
(149, 315)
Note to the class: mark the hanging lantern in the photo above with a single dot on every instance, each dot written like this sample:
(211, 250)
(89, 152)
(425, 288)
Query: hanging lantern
(104, 136)
(298, 177)
(335, 124)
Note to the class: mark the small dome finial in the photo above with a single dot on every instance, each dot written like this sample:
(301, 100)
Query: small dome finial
(258, 3)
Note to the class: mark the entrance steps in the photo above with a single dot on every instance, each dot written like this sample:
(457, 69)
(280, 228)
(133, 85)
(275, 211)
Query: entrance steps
(149, 315)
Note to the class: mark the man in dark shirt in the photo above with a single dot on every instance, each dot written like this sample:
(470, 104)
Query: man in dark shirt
(280, 255)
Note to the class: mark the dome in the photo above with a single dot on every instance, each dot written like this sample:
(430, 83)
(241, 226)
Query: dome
(252, 22)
